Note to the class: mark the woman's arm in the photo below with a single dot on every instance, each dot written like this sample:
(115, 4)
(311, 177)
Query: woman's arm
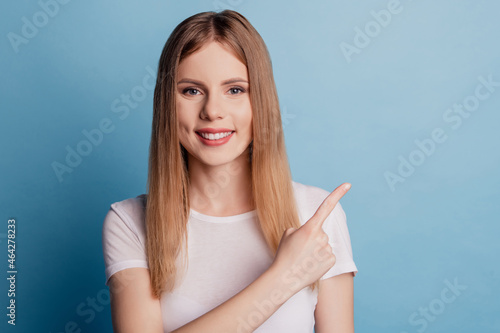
(335, 307)
(247, 310)
(133, 306)
(134, 309)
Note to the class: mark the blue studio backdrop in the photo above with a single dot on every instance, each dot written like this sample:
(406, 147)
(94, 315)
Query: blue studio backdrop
(400, 98)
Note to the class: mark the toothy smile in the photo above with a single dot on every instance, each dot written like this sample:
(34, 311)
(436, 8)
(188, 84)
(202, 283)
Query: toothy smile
(214, 136)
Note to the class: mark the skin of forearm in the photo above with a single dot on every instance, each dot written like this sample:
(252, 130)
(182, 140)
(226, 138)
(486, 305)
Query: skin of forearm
(247, 310)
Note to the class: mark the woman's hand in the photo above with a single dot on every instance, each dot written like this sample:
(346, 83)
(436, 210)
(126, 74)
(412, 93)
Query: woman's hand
(304, 255)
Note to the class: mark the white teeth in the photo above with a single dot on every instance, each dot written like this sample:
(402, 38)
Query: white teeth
(216, 136)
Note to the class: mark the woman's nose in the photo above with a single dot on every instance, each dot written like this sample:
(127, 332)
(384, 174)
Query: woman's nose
(212, 108)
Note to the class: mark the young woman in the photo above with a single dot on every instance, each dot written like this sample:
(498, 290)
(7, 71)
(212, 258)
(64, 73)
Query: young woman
(225, 240)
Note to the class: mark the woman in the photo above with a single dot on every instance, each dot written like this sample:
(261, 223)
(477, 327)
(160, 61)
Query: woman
(225, 241)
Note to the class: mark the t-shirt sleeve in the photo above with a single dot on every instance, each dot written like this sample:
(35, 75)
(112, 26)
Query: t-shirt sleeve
(122, 246)
(335, 227)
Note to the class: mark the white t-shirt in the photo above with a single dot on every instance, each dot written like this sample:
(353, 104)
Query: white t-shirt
(225, 255)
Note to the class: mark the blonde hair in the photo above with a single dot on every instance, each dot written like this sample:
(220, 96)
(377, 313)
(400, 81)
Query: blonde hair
(167, 204)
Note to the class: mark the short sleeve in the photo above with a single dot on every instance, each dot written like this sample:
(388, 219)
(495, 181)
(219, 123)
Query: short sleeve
(121, 243)
(335, 227)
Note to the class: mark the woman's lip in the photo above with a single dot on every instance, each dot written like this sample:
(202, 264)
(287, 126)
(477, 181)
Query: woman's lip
(217, 142)
(214, 130)
(210, 132)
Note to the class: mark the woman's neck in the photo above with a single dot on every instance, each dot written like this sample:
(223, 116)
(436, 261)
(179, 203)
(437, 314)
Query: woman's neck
(222, 190)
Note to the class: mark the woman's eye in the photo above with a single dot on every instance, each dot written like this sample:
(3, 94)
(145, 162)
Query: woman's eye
(191, 91)
(235, 90)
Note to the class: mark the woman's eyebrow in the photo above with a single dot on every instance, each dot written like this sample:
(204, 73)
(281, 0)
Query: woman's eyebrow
(233, 80)
(228, 81)
(190, 81)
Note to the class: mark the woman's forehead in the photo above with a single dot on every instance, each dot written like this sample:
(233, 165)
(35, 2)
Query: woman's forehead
(213, 61)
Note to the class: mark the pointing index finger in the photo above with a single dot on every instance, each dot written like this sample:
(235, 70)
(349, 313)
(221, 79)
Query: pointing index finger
(329, 204)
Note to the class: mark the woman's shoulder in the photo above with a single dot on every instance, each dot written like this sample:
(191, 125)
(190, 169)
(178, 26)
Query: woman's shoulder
(138, 202)
(130, 211)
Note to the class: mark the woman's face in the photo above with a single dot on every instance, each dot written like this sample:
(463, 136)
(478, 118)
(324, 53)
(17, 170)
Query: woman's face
(212, 101)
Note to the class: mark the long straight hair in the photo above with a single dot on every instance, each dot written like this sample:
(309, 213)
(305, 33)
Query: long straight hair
(167, 204)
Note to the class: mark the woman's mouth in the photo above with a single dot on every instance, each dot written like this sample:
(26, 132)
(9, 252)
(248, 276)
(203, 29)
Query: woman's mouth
(214, 139)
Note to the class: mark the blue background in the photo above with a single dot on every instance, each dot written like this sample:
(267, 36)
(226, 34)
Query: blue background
(346, 118)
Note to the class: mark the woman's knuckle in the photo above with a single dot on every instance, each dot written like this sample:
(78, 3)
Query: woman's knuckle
(333, 259)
